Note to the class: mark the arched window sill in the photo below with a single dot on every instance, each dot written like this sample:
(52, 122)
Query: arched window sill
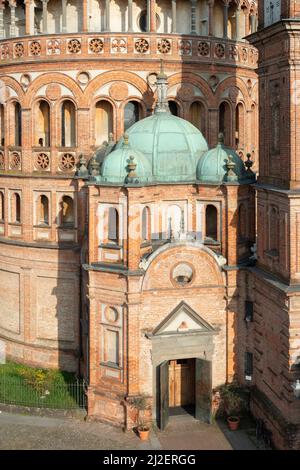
(72, 148)
(41, 225)
(67, 227)
(45, 148)
(112, 365)
(110, 245)
(211, 241)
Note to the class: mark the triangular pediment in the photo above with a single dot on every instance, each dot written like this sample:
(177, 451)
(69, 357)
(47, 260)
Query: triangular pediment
(183, 319)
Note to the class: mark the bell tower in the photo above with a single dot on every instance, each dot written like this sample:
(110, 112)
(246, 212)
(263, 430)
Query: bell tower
(275, 397)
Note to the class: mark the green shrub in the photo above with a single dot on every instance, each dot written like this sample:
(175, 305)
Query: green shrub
(233, 399)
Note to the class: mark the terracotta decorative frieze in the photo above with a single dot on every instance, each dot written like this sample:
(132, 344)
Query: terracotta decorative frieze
(2, 161)
(74, 46)
(67, 162)
(185, 47)
(203, 48)
(53, 46)
(198, 47)
(5, 51)
(233, 52)
(19, 49)
(96, 45)
(142, 45)
(35, 48)
(42, 161)
(15, 160)
(119, 45)
(220, 51)
(164, 46)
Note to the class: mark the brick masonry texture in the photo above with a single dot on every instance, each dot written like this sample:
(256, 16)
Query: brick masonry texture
(64, 289)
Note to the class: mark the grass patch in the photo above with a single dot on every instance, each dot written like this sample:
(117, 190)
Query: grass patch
(42, 388)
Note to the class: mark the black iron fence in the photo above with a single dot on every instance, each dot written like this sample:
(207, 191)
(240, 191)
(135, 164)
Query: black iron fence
(16, 391)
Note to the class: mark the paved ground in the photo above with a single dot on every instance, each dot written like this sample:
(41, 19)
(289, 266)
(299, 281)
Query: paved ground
(32, 432)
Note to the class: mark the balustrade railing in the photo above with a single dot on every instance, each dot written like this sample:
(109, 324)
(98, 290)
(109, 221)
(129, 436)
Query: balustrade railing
(134, 45)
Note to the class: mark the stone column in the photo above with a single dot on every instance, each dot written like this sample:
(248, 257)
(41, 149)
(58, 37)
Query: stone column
(29, 17)
(238, 23)
(84, 16)
(1, 20)
(225, 19)
(45, 17)
(107, 15)
(12, 29)
(253, 23)
(174, 16)
(193, 17)
(152, 16)
(64, 16)
(130, 27)
(210, 17)
(148, 15)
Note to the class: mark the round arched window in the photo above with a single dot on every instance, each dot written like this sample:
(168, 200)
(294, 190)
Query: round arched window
(173, 107)
(182, 274)
(142, 21)
(132, 113)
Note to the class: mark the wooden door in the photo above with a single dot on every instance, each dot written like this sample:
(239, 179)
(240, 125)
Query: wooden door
(181, 382)
(164, 394)
(203, 390)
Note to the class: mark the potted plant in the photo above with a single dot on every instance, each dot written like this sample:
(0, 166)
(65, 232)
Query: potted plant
(141, 405)
(232, 402)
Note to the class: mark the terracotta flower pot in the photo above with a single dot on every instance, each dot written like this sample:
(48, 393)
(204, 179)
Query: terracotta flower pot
(233, 422)
(144, 433)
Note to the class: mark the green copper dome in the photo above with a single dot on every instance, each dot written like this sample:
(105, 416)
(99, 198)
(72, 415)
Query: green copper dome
(221, 164)
(172, 146)
(117, 165)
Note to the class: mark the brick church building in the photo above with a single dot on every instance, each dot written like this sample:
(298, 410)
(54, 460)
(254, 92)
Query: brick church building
(149, 201)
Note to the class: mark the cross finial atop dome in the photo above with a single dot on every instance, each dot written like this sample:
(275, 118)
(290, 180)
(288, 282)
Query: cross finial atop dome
(126, 138)
(162, 105)
(220, 138)
(162, 72)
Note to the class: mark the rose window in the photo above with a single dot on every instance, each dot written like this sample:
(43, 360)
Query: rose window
(142, 45)
(42, 161)
(164, 46)
(67, 162)
(74, 46)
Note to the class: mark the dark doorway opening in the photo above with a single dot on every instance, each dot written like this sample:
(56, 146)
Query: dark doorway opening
(181, 387)
(185, 388)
